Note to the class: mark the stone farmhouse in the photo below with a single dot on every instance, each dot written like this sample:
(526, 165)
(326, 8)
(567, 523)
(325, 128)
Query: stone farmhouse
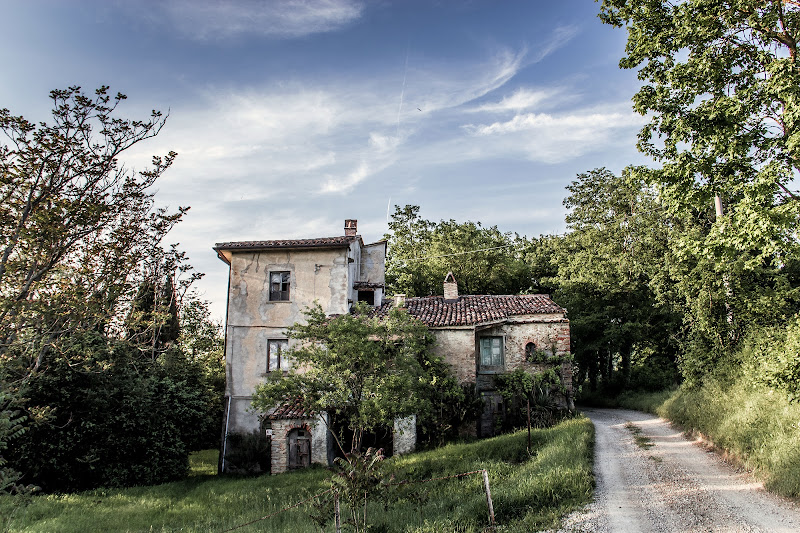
(272, 282)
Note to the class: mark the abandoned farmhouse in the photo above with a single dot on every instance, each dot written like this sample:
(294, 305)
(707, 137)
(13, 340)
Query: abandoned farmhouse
(272, 282)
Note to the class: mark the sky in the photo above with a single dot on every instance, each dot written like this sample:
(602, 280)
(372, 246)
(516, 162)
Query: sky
(290, 116)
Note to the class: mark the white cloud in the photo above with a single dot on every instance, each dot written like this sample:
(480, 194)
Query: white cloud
(554, 137)
(222, 19)
(519, 100)
(561, 36)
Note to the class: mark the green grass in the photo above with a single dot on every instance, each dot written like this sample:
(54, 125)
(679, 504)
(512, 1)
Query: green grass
(529, 492)
(642, 441)
(203, 463)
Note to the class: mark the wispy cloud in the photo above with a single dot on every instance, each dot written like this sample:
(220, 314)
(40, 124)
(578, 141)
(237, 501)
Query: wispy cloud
(561, 36)
(555, 137)
(222, 19)
(520, 100)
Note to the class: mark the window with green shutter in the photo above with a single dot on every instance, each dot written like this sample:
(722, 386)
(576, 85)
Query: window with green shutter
(492, 353)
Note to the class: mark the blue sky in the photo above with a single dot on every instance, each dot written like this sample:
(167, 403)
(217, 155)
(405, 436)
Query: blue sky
(290, 116)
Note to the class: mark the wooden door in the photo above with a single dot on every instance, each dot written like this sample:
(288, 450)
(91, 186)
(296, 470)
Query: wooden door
(299, 448)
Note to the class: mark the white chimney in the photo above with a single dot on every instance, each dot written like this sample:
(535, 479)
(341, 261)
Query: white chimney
(399, 300)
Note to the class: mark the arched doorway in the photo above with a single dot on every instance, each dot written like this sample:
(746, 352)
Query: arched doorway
(299, 448)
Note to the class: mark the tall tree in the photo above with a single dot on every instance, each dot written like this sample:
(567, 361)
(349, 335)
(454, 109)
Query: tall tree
(75, 224)
(611, 276)
(484, 260)
(722, 93)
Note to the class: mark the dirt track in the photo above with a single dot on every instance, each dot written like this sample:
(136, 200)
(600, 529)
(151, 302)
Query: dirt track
(675, 485)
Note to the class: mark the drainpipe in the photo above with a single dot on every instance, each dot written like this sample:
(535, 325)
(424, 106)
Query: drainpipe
(225, 438)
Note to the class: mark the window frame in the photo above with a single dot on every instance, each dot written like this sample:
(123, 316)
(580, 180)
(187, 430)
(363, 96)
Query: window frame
(502, 355)
(282, 363)
(283, 294)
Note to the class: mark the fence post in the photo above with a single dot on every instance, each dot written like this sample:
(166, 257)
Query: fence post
(337, 519)
(488, 498)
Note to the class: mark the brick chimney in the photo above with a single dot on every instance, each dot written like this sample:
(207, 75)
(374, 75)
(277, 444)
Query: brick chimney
(350, 227)
(450, 287)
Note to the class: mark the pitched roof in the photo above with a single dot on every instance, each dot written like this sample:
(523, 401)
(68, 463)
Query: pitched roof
(322, 242)
(435, 311)
(290, 409)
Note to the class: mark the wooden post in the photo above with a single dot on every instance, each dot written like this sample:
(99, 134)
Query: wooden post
(337, 517)
(529, 425)
(488, 498)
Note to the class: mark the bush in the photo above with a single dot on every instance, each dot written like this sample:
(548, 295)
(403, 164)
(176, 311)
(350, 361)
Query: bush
(101, 416)
(248, 453)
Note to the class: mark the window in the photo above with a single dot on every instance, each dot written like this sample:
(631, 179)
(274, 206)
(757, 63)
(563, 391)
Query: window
(492, 351)
(367, 296)
(530, 351)
(276, 358)
(278, 286)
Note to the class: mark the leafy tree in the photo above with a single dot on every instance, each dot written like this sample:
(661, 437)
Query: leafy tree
(202, 343)
(365, 371)
(722, 92)
(76, 225)
(79, 234)
(611, 277)
(483, 260)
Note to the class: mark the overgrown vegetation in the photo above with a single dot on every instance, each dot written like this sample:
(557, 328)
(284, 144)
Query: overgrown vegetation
(367, 371)
(530, 492)
(101, 384)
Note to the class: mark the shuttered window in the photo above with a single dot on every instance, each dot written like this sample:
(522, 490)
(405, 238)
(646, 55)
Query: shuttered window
(492, 352)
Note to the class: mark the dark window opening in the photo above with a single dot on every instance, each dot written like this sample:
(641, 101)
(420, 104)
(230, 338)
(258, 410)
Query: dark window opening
(278, 286)
(530, 351)
(367, 296)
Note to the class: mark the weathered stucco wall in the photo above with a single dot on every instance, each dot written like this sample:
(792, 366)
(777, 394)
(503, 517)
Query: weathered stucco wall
(404, 435)
(373, 259)
(314, 275)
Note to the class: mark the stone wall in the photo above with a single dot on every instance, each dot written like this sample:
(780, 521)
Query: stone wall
(280, 442)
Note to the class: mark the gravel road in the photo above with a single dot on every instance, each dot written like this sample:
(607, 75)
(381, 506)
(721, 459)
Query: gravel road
(674, 485)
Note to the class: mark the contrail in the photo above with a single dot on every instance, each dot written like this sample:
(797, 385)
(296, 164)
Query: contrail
(402, 93)
(388, 206)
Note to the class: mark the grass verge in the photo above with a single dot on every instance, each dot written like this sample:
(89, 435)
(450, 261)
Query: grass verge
(529, 492)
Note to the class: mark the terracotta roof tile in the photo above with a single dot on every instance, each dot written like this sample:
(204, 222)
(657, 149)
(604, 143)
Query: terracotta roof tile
(435, 311)
(323, 242)
(367, 285)
(290, 409)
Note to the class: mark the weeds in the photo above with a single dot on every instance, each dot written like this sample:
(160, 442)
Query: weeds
(642, 441)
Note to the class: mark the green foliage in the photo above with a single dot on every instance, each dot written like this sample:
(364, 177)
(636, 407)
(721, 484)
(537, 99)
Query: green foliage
(364, 371)
(101, 417)
(530, 493)
(248, 453)
(421, 253)
(359, 476)
(521, 388)
(11, 428)
(772, 358)
(610, 277)
(76, 227)
(721, 88)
